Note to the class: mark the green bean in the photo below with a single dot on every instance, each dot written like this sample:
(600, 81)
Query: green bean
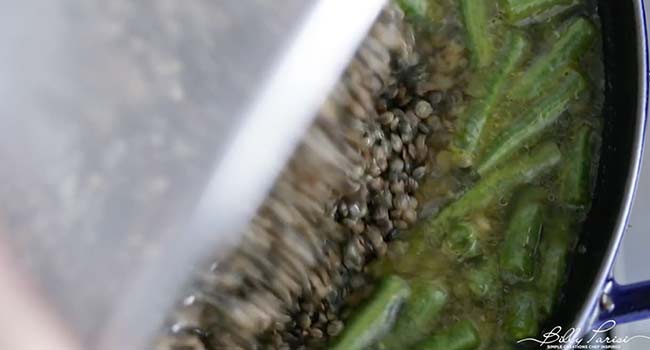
(571, 44)
(495, 185)
(376, 317)
(499, 183)
(534, 10)
(476, 17)
(462, 242)
(536, 120)
(554, 250)
(414, 8)
(472, 120)
(461, 336)
(483, 281)
(517, 256)
(522, 316)
(418, 315)
(574, 177)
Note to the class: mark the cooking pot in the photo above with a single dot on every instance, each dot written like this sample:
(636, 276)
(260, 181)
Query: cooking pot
(120, 122)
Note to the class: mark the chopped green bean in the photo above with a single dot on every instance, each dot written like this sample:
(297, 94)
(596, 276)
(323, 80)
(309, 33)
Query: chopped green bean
(415, 8)
(522, 316)
(554, 249)
(418, 315)
(461, 336)
(375, 318)
(574, 179)
(571, 43)
(476, 17)
(462, 241)
(497, 184)
(483, 281)
(517, 257)
(471, 122)
(534, 10)
(536, 120)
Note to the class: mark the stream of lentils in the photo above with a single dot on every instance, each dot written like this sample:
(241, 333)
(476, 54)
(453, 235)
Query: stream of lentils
(403, 146)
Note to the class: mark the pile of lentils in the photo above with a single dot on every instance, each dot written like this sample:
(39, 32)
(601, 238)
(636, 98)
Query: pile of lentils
(349, 190)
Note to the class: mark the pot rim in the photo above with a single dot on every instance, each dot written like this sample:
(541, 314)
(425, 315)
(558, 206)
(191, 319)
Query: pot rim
(590, 309)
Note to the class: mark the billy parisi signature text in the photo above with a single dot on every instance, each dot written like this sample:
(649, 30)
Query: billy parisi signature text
(572, 338)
